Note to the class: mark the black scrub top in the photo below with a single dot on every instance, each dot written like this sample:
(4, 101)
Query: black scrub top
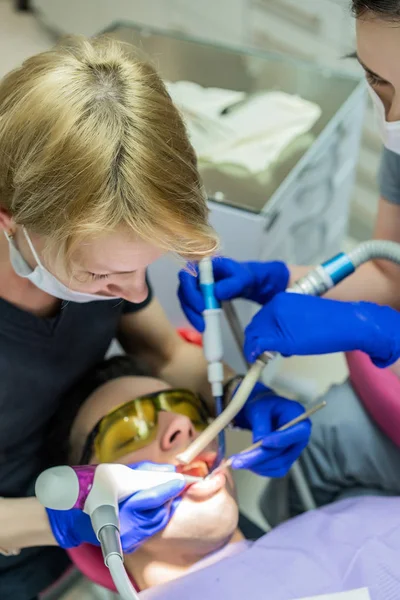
(40, 359)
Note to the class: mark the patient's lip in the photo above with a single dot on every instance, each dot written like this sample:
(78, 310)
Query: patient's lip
(200, 467)
(207, 488)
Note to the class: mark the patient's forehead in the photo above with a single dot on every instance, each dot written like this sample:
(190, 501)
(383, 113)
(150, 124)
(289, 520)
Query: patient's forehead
(109, 396)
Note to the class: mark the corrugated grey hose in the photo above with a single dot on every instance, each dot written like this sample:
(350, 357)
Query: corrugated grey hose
(375, 249)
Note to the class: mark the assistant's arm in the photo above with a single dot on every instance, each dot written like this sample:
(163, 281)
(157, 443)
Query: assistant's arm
(24, 523)
(378, 280)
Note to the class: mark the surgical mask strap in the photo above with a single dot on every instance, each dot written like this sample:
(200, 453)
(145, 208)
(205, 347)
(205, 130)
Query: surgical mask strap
(35, 255)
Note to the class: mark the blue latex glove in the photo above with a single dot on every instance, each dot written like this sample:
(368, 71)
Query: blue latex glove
(141, 516)
(263, 413)
(302, 325)
(256, 281)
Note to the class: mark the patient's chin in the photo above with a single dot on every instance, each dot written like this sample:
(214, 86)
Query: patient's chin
(203, 526)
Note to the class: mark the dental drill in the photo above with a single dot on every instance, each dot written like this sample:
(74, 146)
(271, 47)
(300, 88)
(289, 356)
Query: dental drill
(316, 283)
(97, 490)
(212, 344)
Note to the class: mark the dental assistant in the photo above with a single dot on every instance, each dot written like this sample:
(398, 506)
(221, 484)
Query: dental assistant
(362, 312)
(97, 181)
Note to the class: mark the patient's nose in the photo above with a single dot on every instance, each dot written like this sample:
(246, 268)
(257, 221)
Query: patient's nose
(178, 433)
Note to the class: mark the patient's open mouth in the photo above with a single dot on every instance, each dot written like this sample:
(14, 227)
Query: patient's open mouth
(201, 468)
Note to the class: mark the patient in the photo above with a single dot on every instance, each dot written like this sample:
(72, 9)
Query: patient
(206, 519)
(333, 549)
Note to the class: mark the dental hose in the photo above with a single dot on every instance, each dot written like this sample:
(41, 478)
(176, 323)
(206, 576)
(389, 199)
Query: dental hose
(316, 283)
(110, 541)
(121, 579)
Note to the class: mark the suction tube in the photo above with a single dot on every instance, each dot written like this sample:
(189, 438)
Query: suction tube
(121, 579)
(316, 283)
(223, 420)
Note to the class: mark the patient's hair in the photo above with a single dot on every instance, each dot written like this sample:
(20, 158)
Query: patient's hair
(58, 450)
(89, 141)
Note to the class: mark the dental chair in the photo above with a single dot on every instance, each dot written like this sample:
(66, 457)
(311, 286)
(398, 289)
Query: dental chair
(379, 392)
(89, 561)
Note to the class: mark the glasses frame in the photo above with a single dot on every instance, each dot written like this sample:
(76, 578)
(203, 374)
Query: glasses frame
(91, 438)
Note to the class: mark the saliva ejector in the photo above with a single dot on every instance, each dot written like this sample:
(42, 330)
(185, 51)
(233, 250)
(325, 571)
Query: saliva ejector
(97, 490)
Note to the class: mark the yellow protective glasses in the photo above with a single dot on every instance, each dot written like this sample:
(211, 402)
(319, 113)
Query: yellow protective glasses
(133, 425)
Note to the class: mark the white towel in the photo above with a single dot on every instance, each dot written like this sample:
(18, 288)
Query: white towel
(252, 134)
(263, 127)
(360, 594)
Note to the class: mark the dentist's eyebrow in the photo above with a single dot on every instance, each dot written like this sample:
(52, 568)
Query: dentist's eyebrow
(117, 273)
(110, 272)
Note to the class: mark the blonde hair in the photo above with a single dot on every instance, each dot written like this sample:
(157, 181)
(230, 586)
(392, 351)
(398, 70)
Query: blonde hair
(89, 141)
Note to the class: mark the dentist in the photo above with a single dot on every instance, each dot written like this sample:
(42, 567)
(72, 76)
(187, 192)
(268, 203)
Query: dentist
(97, 181)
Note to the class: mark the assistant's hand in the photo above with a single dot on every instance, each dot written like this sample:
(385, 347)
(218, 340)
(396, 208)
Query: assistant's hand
(296, 324)
(256, 281)
(264, 413)
(141, 516)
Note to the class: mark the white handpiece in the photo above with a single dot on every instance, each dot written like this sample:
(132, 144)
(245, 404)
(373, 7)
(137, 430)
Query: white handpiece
(113, 483)
(212, 336)
(60, 488)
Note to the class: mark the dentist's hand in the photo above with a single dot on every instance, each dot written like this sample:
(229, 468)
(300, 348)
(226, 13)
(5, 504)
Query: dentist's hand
(264, 413)
(256, 281)
(293, 324)
(141, 516)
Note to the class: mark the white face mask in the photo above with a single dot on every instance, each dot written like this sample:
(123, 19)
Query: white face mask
(390, 132)
(43, 279)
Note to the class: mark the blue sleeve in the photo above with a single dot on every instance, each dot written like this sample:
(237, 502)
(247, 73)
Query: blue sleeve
(130, 307)
(389, 176)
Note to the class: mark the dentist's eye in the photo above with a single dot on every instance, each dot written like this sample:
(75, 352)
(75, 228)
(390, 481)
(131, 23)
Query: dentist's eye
(96, 276)
(373, 80)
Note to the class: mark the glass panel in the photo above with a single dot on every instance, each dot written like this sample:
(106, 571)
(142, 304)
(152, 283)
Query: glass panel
(181, 58)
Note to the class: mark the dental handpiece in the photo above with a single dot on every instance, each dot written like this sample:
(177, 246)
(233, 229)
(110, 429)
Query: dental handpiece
(212, 343)
(90, 486)
(316, 283)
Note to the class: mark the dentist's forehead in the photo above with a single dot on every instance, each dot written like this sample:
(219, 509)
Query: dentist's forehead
(121, 251)
(378, 47)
